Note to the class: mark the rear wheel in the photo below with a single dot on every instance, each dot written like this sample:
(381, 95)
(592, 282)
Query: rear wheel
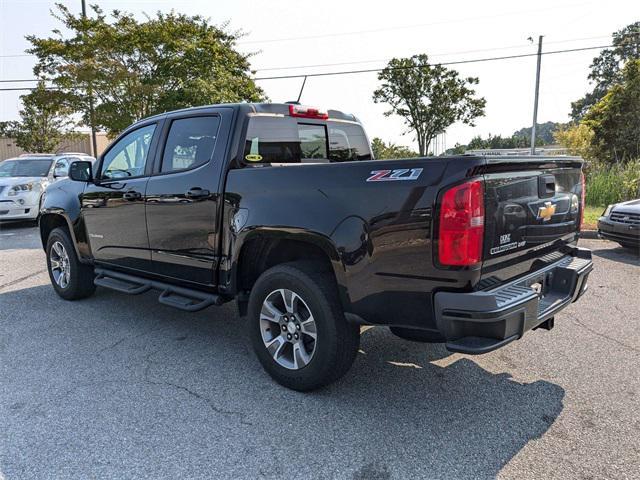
(71, 279)
(298, 329)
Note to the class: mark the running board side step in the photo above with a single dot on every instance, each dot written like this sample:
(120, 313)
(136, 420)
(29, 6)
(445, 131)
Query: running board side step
(186, 299)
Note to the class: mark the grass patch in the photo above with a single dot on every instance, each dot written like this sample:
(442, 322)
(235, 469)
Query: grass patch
(612, 183)
(591, 215)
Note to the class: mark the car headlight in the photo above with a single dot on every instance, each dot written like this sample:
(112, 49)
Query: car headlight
(607, 210)
(22, 188)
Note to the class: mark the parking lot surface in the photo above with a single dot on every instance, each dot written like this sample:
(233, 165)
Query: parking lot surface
(122, 387)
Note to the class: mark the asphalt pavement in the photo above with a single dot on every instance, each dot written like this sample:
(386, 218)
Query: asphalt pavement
(123, 387)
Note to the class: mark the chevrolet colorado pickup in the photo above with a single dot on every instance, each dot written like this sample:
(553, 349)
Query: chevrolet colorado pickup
(282, 208)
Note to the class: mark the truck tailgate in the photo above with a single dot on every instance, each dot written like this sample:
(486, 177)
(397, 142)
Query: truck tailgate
(532, 209)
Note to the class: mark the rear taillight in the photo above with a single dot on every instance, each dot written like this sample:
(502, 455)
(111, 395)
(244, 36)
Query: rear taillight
(583, 192)
(462, 224)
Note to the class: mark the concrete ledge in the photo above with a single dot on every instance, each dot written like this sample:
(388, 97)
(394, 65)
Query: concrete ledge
(590, 234)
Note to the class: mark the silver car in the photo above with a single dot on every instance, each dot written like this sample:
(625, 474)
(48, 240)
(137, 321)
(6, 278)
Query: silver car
(24, 179)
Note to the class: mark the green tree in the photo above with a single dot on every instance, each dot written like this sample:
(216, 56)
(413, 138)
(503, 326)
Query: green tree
(577, 139)
(136, 69)
(615, 120)
(45, 121)
(383, 150)
(606, 69)
(428, 97)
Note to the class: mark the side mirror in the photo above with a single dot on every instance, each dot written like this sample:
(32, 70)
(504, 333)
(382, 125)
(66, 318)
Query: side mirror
(80, 171)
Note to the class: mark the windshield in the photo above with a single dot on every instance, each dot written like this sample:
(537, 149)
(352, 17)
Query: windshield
(25, 168)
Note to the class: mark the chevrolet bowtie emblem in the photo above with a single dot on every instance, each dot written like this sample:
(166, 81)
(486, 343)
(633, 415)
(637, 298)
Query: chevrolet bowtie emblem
(546, 212)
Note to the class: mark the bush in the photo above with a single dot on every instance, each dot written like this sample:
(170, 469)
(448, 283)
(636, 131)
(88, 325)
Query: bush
(615, 183)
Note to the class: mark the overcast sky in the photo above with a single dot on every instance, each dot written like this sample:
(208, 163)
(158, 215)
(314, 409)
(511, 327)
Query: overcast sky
(354, 35)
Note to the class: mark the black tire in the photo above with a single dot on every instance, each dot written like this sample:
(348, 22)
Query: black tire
(80, 276)
(631, 246)
(413, 335)
(337, 340)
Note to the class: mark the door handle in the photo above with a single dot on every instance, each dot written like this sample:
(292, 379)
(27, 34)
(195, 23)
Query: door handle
(197, 192)
(132, 195)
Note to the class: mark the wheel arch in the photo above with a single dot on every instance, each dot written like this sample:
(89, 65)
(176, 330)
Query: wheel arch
(265, 248)
(49, 221)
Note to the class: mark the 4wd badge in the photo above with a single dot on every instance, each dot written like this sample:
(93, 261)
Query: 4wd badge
(394, 175)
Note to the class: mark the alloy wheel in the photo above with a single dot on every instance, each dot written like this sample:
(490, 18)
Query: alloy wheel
(60, 266)
(288, 329)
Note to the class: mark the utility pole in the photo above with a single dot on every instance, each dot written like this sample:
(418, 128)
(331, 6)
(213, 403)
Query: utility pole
(94, 142)
(535, 102)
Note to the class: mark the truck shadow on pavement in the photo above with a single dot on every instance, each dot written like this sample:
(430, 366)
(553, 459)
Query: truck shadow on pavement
(619, 254)
(125, 387)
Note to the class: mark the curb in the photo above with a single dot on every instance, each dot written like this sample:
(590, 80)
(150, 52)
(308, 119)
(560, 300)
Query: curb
(589, 234)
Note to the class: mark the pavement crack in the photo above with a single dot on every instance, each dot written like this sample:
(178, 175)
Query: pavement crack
(212, 406)
(145, 378)
(130, 337)
(22, 279)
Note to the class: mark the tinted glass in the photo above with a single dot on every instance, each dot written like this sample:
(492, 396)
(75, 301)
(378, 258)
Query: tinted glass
(272, 140)
(313, 142)
(190, 143)
(284, 140)
(25, 168)
(128, 157)
(347, 142)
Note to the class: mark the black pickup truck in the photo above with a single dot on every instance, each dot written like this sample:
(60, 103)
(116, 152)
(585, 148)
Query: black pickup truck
(282, 208)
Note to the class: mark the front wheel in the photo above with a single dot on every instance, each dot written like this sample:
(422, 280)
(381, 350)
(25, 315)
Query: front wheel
(630, 246)
(70, 278)
(297, 327)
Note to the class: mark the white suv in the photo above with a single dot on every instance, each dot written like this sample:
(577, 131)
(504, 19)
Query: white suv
(24, 179)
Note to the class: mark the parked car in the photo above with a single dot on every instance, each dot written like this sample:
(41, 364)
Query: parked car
(281, 208)
(24, 179)
(621, 223)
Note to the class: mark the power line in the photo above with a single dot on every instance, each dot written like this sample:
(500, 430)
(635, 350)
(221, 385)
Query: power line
(492, 49)
(371, 70)
(405, 27)
(458, 62)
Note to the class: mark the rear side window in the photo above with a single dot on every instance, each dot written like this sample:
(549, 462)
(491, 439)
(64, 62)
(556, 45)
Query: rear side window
(347, 142)
(285, 140)
(272, 140)
(190, 143)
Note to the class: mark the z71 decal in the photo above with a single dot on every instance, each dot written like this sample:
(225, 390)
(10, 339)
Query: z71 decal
(394, 175)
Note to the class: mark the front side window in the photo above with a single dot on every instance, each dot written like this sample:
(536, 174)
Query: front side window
(190, 143)
(128, 157)
(25, 168)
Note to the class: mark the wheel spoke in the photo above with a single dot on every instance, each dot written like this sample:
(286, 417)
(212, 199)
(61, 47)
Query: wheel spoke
(270, 312)
(300, 356)
(275, 346)
(57, 247)
(308, 327)
(288, 297)
(55, 264)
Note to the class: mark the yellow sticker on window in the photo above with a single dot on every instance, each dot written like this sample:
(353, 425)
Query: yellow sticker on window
(253, 157)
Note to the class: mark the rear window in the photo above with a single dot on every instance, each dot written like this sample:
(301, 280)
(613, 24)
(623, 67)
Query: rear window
(288, 140)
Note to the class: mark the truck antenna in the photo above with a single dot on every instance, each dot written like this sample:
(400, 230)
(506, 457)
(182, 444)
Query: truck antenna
(301, 89)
